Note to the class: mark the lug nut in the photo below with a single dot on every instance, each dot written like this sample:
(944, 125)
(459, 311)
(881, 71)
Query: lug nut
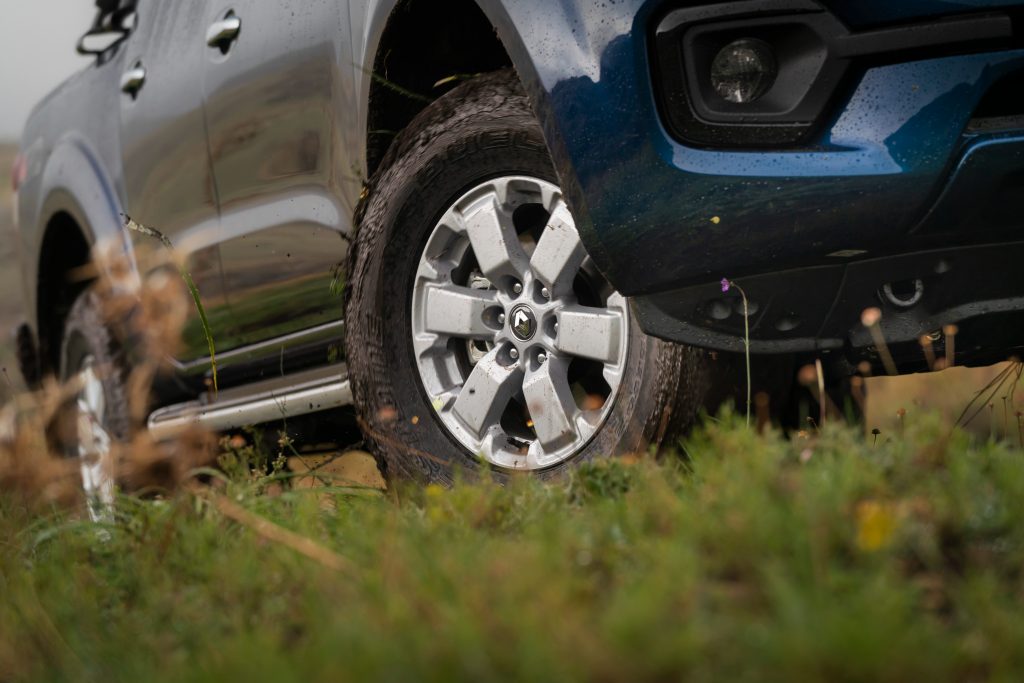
(513, 353)
(501, 318)
(545, 293)
(542, 358)
(518, 288)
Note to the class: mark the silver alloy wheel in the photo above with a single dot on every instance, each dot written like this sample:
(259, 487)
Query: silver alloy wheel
(519, 342)
(94, 442)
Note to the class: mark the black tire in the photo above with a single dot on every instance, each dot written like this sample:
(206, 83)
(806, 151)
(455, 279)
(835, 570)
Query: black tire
(480, 130)
(87, 335)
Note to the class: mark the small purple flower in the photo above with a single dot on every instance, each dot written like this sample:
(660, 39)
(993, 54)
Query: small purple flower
(725, 284)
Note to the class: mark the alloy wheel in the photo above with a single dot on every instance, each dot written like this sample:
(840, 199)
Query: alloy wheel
(519, 341)
(94, 441)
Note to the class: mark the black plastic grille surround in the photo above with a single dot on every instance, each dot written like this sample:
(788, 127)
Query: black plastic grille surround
(815, 52)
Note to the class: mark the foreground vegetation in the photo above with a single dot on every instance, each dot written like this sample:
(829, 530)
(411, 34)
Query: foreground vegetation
(824, 558)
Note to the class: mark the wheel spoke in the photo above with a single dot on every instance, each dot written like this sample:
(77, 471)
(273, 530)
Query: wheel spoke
(94, 443)
(459, 311)
(559, 253)
(95, 459)
(91, 396)
(485, 394)
(594, 333)
(495, 243)
(516, 372)
(551, 405)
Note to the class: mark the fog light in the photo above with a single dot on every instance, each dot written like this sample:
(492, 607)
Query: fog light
(743, 71)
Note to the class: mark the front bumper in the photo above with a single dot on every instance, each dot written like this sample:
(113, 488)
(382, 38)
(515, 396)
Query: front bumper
(894, 180)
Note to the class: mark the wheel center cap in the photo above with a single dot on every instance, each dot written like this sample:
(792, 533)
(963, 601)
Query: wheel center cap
(523, 323)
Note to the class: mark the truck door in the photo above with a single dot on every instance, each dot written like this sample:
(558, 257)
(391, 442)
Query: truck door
(167, 182)
(278, 84)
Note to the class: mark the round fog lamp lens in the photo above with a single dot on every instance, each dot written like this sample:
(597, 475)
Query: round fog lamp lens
(743, 71)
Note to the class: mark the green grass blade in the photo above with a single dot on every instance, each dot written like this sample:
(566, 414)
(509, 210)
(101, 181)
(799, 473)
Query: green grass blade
(192, 289)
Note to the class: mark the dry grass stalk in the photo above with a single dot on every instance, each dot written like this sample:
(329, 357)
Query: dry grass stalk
(822, 396)
(871, 318)
(147, 315)
(929, 352)
(274, 533)
(950, 333)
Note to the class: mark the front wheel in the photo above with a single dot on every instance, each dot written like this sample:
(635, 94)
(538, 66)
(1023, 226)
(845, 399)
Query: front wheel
(479, 331)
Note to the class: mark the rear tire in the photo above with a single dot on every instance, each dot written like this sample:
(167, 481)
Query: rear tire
(482, 130)
(98, 417)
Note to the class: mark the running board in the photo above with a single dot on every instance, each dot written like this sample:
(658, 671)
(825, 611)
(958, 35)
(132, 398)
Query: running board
(267, 401)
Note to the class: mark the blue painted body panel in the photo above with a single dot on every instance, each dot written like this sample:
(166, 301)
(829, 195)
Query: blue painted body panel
(657, 214)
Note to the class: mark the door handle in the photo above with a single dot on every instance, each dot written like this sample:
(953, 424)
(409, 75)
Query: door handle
(224, 32)
(133, 80)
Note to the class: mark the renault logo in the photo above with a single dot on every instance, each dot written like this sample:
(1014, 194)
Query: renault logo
(524, 324)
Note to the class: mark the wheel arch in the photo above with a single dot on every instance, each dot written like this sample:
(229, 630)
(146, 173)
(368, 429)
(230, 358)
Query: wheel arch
(524, 31)
(78, 212)
(401, 82)
(64, 253)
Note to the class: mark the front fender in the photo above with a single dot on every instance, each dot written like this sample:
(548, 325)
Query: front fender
(554, 42)
(71, 181)
(548, 41)
(657, 214)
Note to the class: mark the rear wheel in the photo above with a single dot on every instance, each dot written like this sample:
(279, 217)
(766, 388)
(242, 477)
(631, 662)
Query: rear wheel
(97, 417)
(479, 331)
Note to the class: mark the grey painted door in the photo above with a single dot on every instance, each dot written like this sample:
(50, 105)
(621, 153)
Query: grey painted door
(168, 180)
(276, 102)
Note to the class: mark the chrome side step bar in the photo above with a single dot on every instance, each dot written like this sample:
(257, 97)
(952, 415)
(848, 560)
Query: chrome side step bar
(267, 401)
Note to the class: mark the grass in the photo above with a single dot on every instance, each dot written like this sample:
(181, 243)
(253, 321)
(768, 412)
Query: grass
(755, 558)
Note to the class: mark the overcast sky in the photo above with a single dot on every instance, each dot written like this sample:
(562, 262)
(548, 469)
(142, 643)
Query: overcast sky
(37, 52)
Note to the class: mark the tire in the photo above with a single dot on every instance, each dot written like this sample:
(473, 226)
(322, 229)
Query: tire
(99, 415)
(481, 132)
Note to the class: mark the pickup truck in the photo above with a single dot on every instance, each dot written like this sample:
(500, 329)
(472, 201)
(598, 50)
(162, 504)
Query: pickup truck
(520, 234)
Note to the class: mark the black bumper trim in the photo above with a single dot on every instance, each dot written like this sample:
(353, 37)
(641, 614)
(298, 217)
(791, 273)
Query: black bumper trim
(816, 54)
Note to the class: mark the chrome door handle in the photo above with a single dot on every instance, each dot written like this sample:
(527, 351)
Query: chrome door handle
(223, 32)
(133, 80)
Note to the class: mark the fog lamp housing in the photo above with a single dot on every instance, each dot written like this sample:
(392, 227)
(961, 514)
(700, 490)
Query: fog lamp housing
(744, 70)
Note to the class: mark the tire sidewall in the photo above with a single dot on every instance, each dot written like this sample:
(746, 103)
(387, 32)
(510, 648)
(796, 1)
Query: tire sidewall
(408, 198)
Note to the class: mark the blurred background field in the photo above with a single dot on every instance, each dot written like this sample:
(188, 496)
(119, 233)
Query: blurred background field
(946, 393)
(10, 287)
